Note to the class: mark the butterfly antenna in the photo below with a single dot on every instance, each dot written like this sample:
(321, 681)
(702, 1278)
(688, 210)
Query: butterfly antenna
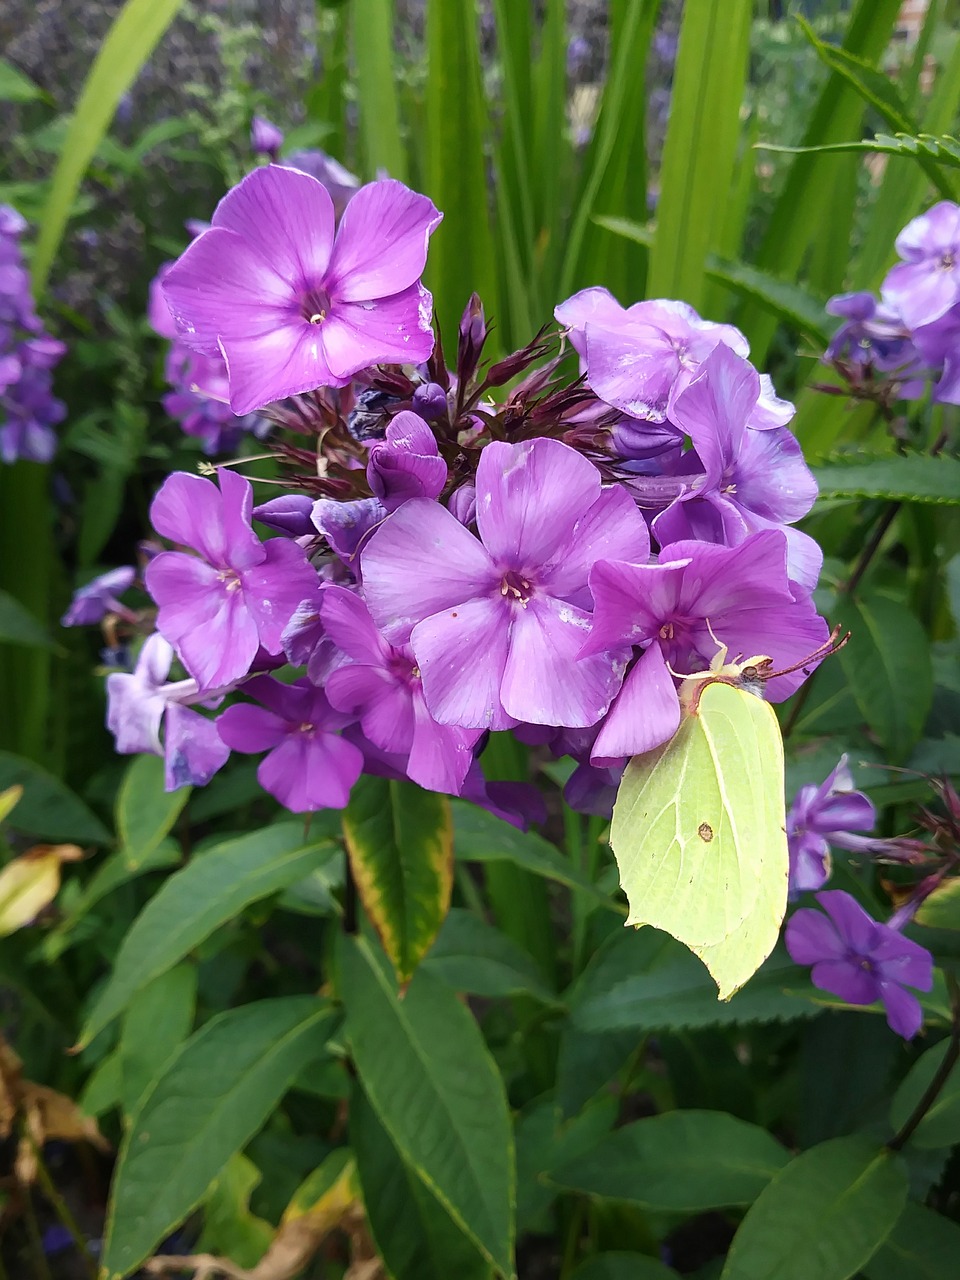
(833, 644)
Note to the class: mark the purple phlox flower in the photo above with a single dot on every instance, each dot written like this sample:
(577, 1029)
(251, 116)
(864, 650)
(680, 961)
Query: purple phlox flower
(139, 701)
(91, 603)
(406, 463)
(199, 401)
(640, 357)
(860, 960)
(347, 526)
(265, 138)
(496, 623)
(926, 284)
(289, 514)
(28, 409)
(875, 335)
(462, 503)
(339, 182)
(159, 314)
(217, 608)
(751, 480)
(519, 803)
(308, 765)
(823, 816)
(293, 306)
(381, 685)
(740, 595)
(939, 347)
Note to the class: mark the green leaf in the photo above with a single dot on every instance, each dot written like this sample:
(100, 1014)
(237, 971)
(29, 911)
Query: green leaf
(47, 808)
(879, 92)
(462, 257)
(944, 149)
(478, 836)
(681, 1161)
(644, 981)
(940, 1126)
(543, 1144)
(941, 910)
(415, 1236)
(923, 1246)
(887, 647)
(785, 299)
(193, 902)
(471, 955)
(372, 31)
(825, 1214)
(587, 1062)
(15, 86)
(214, 1095)
(425, 1067)
(400, 841)
(704, 121)
(17, 624)
(911, 479)
(622, 1266)
(128, 44)
(102, 1089)
(145, 812)
(156, 1024)
(229, 1228)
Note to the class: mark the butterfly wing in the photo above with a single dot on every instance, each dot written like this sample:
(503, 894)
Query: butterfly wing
(698, 834)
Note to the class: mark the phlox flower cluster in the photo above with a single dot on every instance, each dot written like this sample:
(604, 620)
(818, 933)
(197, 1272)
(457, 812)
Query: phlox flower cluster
(908, 339)
(441, 564)
(28, 409)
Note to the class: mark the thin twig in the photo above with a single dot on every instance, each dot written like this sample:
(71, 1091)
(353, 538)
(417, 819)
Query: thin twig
(203, 1266)
(942, 1074)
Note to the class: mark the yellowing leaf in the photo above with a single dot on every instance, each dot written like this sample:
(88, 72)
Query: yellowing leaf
(699, 833)
(8, 800)
(30, 883)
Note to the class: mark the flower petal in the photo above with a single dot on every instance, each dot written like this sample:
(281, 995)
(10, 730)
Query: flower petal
(419, 562)
(844, 979)
(462, 653)
(388, 330)
(249, 729)
(811, 937)
(285, 360)
(645, 713)
(381, 245)
(274, 589)
(289, 214)
(310, 772)
(543, 682)
(192, 747)
(859, 931)
(189, 510)
(904, 1011)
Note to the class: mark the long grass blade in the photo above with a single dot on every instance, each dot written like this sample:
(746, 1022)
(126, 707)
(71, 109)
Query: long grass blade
(372, 45)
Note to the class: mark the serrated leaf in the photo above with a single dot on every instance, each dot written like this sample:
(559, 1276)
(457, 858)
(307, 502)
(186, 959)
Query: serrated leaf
(426, 1070)
(212, 1098)
(944, 149)
(646, 981)
(681, 1161)
(17, 623)
(886, 643)
(415, 1236)
(940, 1126)
(923, 1246)
(400, 842)
(193, 902)
(471, 955)
(145, 812)
(910, 479)
(47, 808)
(825, 1214)
(478, 836)
(798, 307)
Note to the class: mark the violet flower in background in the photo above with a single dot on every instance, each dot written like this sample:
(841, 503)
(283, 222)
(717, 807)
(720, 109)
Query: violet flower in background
(308, 765)
(860, 960)
(265, 138)
(926, 284)
(823, 816)
(91, 603)
(339, 182)
(218, 607)
(406, 463)
(28, 409)
(294, 304)
(139, 702)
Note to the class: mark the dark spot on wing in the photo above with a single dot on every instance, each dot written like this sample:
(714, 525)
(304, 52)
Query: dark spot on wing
(705, 832)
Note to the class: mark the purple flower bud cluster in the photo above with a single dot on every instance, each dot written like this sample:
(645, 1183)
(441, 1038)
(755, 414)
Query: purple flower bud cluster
(446, 563)
(28, 409)
(910, 337)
